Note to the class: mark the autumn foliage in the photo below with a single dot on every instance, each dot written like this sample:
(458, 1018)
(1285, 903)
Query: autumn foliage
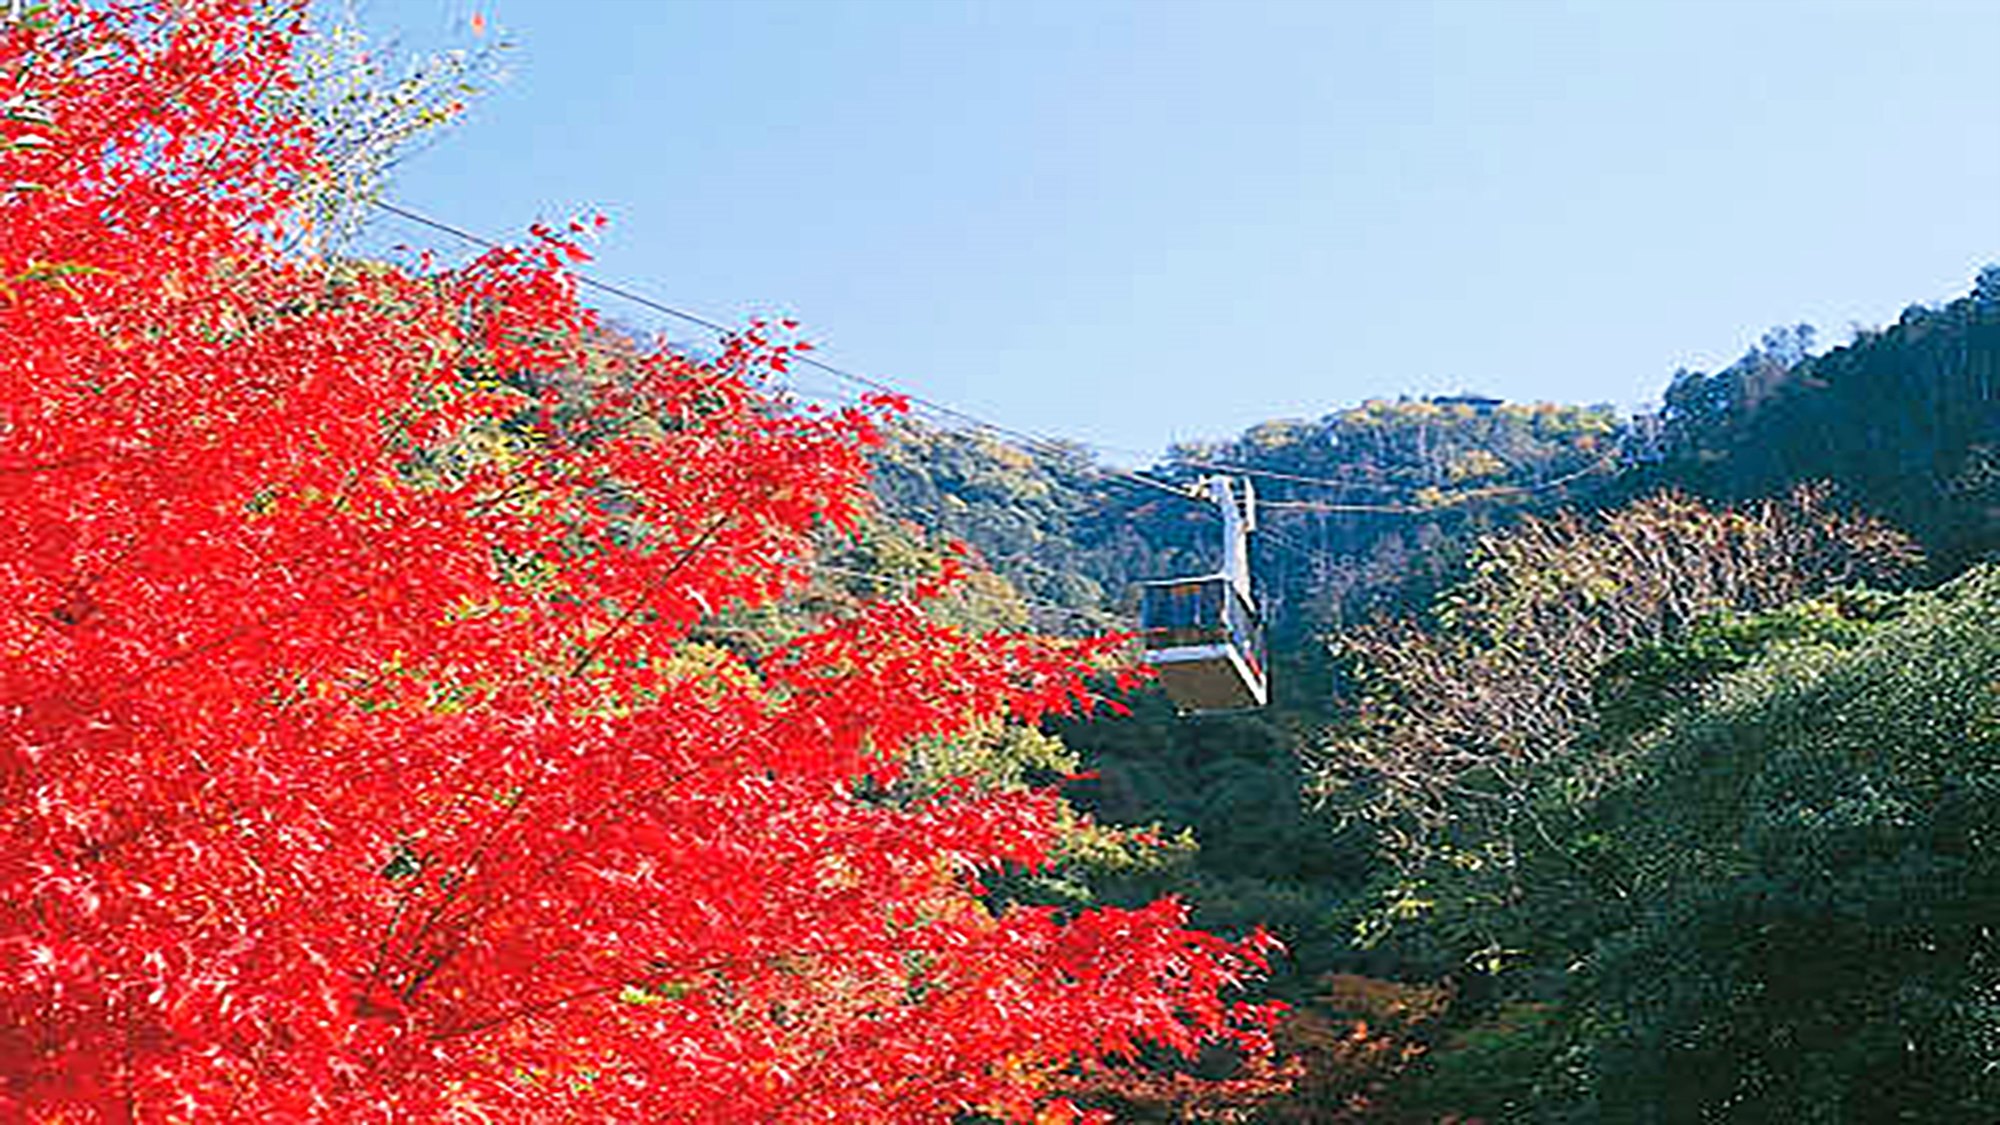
(1456, 716)
(352, 765)
(1339, 1058)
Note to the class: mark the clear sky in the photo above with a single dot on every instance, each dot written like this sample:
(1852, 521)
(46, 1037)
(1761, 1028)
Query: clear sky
(1135, 222)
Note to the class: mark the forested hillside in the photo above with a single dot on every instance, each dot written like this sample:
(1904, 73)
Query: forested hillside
(1365, 510)
(1373, 506)
(1475, 602)
(1904, 418)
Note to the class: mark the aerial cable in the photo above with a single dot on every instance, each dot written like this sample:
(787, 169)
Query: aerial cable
(1465, 497)
(1278, 539)
(1031, 442)
(644, 301)
(582, 279)
(1272, 474)
(1047, 445)
(1324, 508)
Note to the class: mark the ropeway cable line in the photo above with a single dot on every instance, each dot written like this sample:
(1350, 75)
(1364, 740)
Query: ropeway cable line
(1204, 634)
(1034, 442)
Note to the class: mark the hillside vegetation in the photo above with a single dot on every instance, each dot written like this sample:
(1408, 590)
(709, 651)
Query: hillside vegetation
(1513, 645)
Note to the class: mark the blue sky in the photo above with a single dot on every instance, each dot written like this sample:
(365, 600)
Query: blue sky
(1135, 222)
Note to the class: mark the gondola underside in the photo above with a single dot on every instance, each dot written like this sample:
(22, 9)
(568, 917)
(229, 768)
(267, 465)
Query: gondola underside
(1204, 678)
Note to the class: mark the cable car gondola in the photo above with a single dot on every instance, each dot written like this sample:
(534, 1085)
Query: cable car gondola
(1203, 635)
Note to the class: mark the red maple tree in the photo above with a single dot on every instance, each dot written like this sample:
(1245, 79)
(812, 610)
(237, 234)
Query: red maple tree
(351, 765)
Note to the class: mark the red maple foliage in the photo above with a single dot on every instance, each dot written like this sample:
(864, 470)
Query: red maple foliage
(350, 764)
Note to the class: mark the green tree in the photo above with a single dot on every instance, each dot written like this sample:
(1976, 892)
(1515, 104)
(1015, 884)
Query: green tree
(1809, 866)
